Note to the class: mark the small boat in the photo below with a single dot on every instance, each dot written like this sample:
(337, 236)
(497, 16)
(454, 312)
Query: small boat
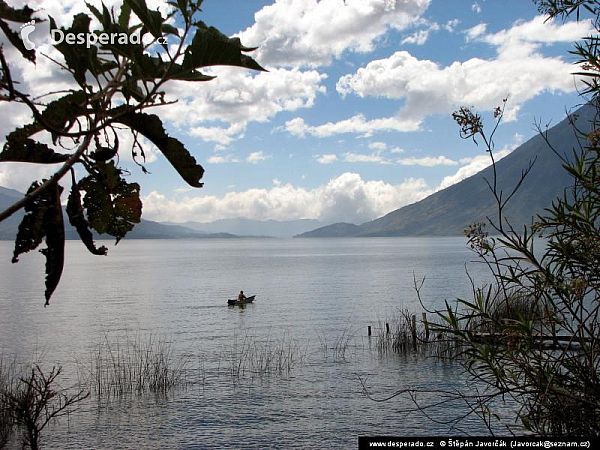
(241, 302)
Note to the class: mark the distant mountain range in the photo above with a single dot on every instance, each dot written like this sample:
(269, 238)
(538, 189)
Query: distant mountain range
(248, 227)
(147, 229)
(449, 211)
(446, 212)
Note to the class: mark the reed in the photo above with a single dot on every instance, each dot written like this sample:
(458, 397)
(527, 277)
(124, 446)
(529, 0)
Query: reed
(8, 379)
(262, 356)
(403, 333)
(137, 364)
(339, 346)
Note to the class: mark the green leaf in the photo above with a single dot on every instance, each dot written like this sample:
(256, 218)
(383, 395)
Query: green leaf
(78, 220)
(150, 126)
(210, 47)
(113, 205)
(43, 218)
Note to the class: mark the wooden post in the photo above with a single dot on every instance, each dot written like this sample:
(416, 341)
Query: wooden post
(414, 330)
(369, 330)
(426, 326)
(549, 318)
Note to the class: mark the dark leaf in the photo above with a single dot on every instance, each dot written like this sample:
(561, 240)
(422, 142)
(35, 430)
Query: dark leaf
(95, 11)
(79, 58)
(210, 47)
(169, 29)
(113, 205)
(189, 75)
(78, 220)
(150, 126)
(31, 229)
(15, 40)
(152, 20)
(182, 5)
(15, 15)
(43, 218)
(61, 114)
(124, 15)
(22, 15)
(106, 18)
(55, 242)
(150, 68)
(132, 90)
(104, 153)
(19, 147)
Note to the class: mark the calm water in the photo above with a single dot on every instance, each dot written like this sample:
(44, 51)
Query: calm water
(312, 293)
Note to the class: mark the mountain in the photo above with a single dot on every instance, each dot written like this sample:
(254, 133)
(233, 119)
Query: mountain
(248, 227)
(449, 211)
(9, 227)
(146, 229)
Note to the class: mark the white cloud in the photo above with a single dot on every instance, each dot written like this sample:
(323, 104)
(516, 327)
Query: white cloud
(476, 7)
(312, 33)
(256, 157)
(216, 111)
(345, 198)
(222, 135)
(428, 161)
(373, 158)
(219, 159)
(379, 146)
(451, 25)
(474, 165)
(20, 175)
(326, 159)
(237, 98)
(417, 38)
(476, 31)
(355, 124)
(519, 71)
(539, 30)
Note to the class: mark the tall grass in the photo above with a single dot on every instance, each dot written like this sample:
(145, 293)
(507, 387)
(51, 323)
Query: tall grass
(397, 334)
(8, 379)
(136, 364)
(338, 347)
(400, 335)
(259, 357)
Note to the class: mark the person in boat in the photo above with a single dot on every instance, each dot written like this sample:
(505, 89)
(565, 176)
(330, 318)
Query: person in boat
(241, 296)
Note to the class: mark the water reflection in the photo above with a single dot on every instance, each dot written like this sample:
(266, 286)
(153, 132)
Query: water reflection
(316, 292)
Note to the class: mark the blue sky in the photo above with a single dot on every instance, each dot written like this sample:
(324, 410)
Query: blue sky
(353, 119)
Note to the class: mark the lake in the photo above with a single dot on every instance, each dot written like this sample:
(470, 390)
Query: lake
(315, 299)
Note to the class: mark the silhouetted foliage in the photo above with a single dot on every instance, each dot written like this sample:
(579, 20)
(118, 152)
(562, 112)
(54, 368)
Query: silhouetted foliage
(113, 83)
(532, 337)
